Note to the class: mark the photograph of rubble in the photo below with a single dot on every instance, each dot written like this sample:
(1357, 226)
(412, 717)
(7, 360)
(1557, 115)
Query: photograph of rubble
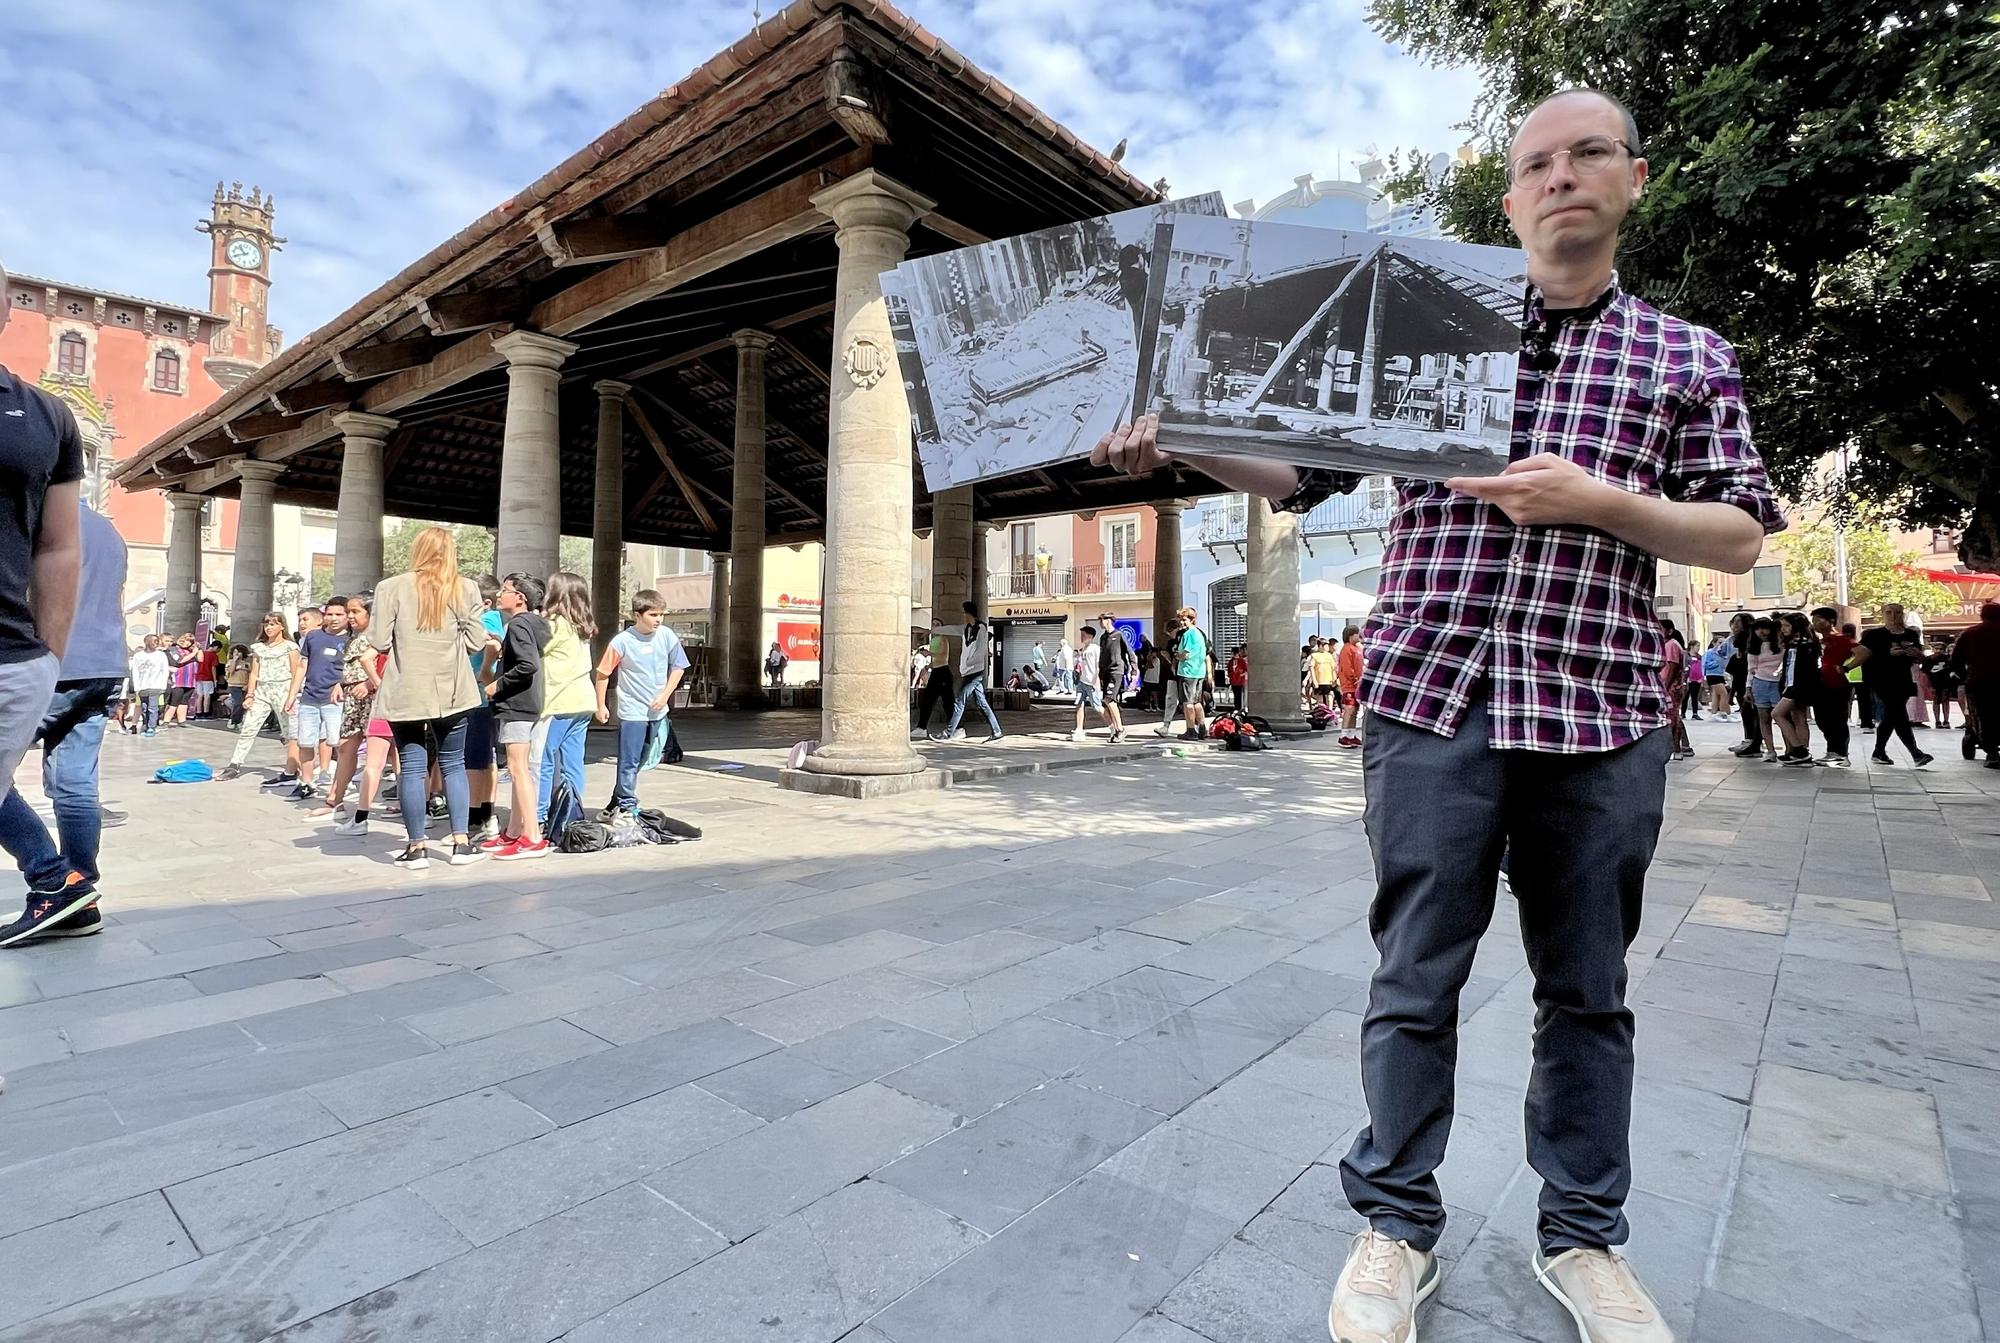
(1023, 352)
(1360, 351)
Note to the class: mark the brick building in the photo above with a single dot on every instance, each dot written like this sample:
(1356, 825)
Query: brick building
(132, 368)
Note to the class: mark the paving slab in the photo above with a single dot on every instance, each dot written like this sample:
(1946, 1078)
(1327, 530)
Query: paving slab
(603, 1080)
(89, 1253)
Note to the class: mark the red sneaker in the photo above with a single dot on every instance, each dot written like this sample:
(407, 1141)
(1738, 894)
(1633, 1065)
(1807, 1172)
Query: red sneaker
(521, 848)
(498, 842)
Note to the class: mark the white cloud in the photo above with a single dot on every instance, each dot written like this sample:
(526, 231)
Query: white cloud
(383, 127)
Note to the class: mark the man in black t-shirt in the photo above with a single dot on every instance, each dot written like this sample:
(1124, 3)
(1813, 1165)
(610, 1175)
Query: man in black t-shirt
(1888, 653)
(41, 553)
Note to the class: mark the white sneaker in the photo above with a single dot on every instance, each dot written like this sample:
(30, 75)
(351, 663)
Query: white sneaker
(487, 831)
(1162, 731)
(348, 829)
(1375, 1299)
(1604, 1296)
(1079, 735)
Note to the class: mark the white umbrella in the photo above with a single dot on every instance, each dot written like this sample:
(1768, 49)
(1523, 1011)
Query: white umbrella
(1323, 599)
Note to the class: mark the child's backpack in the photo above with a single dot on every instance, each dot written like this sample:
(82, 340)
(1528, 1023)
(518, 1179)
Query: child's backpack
(565, 810)
(1319, 717)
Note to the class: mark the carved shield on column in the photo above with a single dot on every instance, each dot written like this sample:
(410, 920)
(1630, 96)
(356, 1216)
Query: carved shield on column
(865, 362)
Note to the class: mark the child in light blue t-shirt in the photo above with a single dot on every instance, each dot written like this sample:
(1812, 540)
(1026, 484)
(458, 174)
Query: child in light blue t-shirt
(650, 663)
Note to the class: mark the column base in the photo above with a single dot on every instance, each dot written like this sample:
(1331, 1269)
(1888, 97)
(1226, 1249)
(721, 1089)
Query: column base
(865, 761)
(1294, 726)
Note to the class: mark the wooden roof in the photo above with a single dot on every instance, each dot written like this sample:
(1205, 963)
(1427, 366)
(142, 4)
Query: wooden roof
(687, 221)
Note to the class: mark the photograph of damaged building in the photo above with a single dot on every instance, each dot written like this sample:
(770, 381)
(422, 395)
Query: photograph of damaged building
(1021, 353)
(1323, 347)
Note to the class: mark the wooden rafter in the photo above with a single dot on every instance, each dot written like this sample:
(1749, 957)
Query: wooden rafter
(694, 427)
(666, 457)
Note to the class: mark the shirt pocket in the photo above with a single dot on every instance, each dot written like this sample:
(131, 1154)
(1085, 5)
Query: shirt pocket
(1640, 412)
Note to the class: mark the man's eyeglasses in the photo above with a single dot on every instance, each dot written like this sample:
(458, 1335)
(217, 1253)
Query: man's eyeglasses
(1588, 157)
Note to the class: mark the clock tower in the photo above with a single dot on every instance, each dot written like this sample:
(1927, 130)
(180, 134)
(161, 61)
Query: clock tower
(239, 283)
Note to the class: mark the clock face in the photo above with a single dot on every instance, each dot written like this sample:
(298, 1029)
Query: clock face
(245, 254)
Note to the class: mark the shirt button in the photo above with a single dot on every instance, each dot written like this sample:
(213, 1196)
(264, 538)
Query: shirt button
(1514, 560)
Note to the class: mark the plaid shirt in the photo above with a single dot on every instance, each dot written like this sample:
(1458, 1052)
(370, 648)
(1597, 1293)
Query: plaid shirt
(1558, 622)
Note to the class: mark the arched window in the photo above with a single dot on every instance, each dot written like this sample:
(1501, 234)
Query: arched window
(167, 371)
(70, 354)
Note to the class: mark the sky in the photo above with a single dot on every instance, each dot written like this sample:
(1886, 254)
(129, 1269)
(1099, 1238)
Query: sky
(383, 126)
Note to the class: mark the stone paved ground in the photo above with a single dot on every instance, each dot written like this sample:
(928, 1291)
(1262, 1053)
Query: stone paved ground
(1066, 1058)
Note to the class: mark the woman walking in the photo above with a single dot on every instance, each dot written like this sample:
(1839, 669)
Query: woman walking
(276, 673)
(429, 623)
(569, 698)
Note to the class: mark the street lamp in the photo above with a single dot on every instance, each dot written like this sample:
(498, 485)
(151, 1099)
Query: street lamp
(287, 587)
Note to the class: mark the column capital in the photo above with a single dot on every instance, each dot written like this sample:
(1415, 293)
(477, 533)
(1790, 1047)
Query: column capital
(872, 198)
(532, 349)
(360, 424)
(185, 502)
(263, 473)
(610, 389)
(1169, 505)
(749, 339)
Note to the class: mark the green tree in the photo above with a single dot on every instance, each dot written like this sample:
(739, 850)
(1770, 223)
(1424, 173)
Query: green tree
(1825, 192)
(475, 550)
(1877, 572)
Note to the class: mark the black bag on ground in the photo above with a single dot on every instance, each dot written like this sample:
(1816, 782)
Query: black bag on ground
(584, 837)
(661, 828)
(565, 810)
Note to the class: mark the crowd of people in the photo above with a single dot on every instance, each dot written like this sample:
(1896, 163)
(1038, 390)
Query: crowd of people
(1787, 674)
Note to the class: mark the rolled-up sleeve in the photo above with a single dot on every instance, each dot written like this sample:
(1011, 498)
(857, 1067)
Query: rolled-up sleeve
(1712, 459)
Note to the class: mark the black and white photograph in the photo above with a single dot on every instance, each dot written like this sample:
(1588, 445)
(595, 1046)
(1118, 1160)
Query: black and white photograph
(1025, 351)
(1321, 347)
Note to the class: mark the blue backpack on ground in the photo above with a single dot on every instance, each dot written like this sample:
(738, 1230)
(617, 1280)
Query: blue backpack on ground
(183, 771)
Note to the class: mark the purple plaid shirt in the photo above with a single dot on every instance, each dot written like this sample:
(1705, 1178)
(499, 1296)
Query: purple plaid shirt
(1558, 622)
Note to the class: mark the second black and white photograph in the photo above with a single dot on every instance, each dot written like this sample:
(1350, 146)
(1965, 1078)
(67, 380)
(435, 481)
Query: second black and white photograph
(1360, 351)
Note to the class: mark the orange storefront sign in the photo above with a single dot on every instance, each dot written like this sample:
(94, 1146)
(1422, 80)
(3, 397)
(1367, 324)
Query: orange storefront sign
(799, 639)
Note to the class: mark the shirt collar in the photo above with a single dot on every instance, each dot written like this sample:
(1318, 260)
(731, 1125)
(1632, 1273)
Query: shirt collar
(1534, 310)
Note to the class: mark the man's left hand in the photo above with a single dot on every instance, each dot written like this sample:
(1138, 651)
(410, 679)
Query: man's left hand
(1542, 490)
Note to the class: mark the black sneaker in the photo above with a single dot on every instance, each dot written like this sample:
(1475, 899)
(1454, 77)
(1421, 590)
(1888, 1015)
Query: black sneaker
(995, 737)
(1746, 749)
(1923, 759)
(1880, 759)
(302, 792)
(282, 781)
(414, 859)
(465, 853)
(48, 907)
(86, 922)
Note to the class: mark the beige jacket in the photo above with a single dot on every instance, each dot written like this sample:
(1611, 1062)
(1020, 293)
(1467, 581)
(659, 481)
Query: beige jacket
(429, 672)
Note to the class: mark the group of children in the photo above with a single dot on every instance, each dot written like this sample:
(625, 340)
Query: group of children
(1330, 681)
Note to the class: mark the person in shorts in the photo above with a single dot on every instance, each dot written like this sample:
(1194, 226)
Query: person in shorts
(324, 652)
(1089, 689)
(649, 662)
(515, 694)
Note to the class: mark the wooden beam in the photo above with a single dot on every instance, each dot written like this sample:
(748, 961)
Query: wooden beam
(449, 314)
(645, 500)
(379, 361)
(956, 232)
(1283, 363)
(666, 457)
(695, 428)
(854, 100)
(778, 215)
(614, 238)
(310, 396)
(212, 448)
(393, 450)
(676, 360)
(803, 360)
(265, 424)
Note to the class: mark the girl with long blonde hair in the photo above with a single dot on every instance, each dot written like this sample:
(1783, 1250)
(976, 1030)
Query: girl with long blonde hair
(428, 623)
(568, 697)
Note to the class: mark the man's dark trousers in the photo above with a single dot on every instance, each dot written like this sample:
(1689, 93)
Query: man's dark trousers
(1830, 712)
(938, 692)
(1579, 832)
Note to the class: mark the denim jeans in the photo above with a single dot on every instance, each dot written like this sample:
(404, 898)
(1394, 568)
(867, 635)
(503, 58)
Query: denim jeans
(634, 737)
(149, 709)
(72, 735)
(563, 752)
(413, 742)
(972, 688)
(1578, 832)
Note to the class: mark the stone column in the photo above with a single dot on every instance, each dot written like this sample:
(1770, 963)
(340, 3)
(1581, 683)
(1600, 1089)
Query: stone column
(1272, 580)
(182, 594)
(953, 537)
(607, 520)
(718, 620)
(250, 588)
(530, 455)
(1166, 567)
(982, 583)
(1370, 371)
(747, 533)
(357, 527)
(865, 725)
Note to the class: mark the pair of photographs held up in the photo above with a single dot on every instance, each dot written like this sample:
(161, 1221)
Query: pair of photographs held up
(1359, 351)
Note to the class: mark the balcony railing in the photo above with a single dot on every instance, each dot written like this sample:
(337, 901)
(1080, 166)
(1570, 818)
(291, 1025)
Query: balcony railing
(1368, 509)
(1074, 580)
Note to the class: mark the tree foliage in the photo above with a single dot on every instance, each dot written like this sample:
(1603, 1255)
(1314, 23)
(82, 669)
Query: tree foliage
(1877, 571)
(475, 549)
(1825, 192)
